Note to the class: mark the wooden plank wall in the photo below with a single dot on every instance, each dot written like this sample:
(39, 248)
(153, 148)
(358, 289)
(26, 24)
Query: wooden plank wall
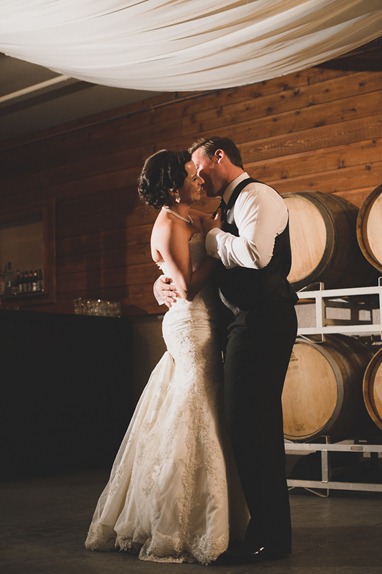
(319, 129)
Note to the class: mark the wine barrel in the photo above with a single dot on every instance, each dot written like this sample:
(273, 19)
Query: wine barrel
(323, 389)
(372, 388)
(324, 243)
(369, 228)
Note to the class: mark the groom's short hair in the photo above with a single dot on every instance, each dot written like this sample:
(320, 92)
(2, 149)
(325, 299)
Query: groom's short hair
(210, 145)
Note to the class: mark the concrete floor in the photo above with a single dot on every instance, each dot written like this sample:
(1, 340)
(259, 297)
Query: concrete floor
(43, 524)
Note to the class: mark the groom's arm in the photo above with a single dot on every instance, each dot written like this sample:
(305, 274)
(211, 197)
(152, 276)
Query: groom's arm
(260, 216)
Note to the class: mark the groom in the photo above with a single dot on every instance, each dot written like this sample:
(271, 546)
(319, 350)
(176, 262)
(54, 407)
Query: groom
(250, 239)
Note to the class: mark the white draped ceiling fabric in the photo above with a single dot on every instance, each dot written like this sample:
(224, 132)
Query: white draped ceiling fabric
(184, 45)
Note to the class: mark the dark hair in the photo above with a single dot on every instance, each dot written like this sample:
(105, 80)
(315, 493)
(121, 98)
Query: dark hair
(162, 172)
(210, 145)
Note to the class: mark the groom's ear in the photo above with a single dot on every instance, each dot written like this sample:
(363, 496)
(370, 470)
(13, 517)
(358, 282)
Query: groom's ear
(219, 155)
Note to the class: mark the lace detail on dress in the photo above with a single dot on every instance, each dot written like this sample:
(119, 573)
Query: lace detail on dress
(167, 496)
(100, 537)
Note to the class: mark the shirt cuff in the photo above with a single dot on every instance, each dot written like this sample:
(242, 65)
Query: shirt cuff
(212, 242)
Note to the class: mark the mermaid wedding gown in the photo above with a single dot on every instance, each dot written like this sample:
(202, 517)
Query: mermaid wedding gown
(167, 496)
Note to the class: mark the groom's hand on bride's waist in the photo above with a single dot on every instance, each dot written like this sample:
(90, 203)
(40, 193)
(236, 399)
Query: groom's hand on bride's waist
(165, 291)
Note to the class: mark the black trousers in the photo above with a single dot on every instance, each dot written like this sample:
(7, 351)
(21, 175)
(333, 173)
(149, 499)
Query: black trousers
(258, 348)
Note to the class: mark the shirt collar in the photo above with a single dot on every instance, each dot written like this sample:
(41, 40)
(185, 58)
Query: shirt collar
(229, 189)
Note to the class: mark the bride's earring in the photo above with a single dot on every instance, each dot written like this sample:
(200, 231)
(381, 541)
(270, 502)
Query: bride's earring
(177, 198)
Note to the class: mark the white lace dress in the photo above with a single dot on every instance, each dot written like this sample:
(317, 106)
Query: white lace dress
(167, 496)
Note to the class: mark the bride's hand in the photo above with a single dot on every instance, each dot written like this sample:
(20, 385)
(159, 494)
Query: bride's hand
(209, 222)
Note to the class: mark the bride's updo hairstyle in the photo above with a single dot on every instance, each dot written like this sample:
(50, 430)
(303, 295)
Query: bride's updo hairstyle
(162, 172)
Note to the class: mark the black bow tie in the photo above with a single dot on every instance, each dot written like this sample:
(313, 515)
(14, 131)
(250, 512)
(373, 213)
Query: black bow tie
(222, 205)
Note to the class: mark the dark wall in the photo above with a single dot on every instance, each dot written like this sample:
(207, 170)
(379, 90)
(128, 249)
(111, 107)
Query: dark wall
(67, 391)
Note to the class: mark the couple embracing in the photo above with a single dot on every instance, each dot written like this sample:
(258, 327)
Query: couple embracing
(200, 474)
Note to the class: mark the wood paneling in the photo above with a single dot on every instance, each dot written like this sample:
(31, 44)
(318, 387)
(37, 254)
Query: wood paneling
(318, 129)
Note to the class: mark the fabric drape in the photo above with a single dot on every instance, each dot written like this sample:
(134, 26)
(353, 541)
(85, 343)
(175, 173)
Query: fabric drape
(184, 45)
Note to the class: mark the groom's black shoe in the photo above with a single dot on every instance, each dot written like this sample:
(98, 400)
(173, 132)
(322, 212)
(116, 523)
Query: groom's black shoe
(274, 553)
(245, 556)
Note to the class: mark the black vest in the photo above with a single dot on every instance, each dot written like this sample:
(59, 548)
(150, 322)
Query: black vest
(246, 289)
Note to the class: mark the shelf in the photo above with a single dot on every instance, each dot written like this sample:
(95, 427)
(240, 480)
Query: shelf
(354, 311)
(361, 304)
(325, 448)
(27, 241)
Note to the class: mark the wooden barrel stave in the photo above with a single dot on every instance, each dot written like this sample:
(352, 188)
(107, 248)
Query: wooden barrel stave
(369, 226)
(323, 389)
(324, 242)
(372, 388)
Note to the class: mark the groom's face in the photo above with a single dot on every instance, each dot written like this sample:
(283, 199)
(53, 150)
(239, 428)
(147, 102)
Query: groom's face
(208, 168)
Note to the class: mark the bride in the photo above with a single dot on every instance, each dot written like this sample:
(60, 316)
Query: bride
(169, 495)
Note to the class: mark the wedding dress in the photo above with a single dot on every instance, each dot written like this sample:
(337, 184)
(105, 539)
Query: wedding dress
(167, 497)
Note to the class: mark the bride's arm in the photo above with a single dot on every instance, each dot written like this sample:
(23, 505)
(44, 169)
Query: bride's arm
(206, 221)
(174, 250)
(199, 217)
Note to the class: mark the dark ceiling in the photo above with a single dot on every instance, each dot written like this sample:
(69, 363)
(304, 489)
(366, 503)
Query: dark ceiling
(44, 106)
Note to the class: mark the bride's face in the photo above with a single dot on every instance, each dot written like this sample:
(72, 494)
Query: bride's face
(191, 189)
